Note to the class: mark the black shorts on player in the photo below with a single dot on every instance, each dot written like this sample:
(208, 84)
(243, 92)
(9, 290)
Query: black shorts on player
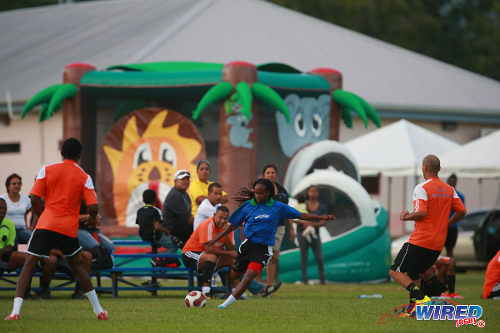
(42, 241)
(191, 259)
(414, 260)
(451, 238)
(249, 252)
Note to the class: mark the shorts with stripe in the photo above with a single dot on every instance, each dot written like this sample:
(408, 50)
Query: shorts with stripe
(414, 260)
(191, 259)
(249, 252)
(42, 241)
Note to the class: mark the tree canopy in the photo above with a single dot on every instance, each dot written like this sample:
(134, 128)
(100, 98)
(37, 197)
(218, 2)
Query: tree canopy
(465, 33)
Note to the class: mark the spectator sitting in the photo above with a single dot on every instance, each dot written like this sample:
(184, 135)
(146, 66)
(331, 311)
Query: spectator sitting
(198, 190)
(206, 259)
(150, 228)
(9, 259)
(436, 280)
(18, 208)
(177, 217)
(209, 205)
(91, 236)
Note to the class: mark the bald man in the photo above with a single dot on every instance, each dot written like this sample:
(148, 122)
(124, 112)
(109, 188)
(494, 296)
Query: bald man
(433, 201)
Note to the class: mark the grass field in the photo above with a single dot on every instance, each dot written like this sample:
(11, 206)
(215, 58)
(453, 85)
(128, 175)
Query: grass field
(294, 308)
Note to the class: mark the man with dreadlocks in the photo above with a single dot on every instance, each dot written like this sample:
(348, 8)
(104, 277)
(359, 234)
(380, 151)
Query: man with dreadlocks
(261, 215)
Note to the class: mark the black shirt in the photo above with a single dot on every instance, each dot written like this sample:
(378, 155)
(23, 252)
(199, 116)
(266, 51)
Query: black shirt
(146, 218)
(176, 209)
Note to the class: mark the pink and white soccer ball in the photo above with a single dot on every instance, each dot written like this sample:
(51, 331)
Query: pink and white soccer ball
(195, 299)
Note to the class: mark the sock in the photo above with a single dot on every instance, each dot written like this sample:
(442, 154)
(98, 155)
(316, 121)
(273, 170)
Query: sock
(16, 309)
(207, 271)
(205, 289)
(451, 283)
(94, 301)
(415, 292)
(230, 300)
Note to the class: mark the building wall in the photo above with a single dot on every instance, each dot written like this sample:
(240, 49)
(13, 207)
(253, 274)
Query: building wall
(39, 145)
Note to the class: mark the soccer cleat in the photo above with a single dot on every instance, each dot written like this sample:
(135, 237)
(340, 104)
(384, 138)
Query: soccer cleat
(14, 317)
(444, 295)
(277, 286)
(221, 307)
(103, 315)
(411, 312)
(455, 295)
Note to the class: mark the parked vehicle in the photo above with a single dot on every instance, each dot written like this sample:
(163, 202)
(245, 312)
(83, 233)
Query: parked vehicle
(487, 236)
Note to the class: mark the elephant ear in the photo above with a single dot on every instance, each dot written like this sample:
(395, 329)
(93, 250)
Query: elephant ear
(214, 94)
(270, 97)
(244, 98)
(349, 102)
(40, 98)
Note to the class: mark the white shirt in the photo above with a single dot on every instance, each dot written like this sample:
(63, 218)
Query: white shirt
(205, 211)
(16, 210)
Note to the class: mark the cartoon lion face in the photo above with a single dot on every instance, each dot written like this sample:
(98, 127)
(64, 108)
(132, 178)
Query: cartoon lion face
(148, 161)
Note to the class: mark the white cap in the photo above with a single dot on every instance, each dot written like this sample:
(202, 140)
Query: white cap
(181, 174)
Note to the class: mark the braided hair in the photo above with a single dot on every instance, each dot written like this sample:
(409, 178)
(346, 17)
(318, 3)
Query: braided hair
(247, 193)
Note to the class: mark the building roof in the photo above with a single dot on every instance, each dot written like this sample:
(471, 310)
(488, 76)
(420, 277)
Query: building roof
(38, 42)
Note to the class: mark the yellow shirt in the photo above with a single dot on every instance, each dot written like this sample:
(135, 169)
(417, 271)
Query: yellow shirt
(198, 188)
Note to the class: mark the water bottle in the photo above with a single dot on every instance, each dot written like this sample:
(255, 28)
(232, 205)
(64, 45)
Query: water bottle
(370, 296)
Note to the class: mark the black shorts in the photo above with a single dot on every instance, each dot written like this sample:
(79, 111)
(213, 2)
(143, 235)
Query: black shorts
(451, 238)
(191, 259)
(248, 252)
(414, 260)
(42, 241)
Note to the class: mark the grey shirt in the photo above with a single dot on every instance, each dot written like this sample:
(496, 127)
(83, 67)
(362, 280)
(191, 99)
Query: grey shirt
(176, 209)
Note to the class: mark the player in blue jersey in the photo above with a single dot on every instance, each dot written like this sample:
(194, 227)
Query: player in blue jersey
(261, 215)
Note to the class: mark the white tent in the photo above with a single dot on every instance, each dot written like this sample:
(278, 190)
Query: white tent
(477, 159)
(397, 149)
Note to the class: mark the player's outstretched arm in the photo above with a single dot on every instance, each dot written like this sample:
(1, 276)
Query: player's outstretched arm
(229, 228)
(314, 217)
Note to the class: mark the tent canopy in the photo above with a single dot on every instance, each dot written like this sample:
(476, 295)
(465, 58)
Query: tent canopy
(477, 159)
(397, 149)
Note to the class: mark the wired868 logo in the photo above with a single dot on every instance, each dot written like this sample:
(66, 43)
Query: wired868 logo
(438, 310)
(461, 314)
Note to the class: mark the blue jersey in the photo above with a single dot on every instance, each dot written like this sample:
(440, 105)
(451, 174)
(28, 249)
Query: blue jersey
(261, 219)
(462, 197)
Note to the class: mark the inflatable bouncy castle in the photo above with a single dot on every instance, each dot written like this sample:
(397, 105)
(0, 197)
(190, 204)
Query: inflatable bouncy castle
(139, 123)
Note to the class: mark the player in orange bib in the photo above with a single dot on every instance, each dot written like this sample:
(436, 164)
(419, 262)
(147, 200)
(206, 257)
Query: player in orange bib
(62, 185)
(491, 287)
(433, 201)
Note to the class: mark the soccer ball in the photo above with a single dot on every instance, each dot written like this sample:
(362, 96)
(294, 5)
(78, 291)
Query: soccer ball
(195, 299)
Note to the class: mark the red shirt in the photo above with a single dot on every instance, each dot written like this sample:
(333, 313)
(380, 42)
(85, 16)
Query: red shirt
(436, 198)
(204, 232)
(63, 185)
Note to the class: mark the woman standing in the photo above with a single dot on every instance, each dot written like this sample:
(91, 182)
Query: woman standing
(261, 215)
(18, 207)
(312, 239)
(198, 189)
(280, 194)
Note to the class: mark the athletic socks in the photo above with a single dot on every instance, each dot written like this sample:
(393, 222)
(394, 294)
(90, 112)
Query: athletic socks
(205, 289)
(16, 309)
(230, 300)
(94, 301)
(415, 292)
(450, 281)
(206, 271)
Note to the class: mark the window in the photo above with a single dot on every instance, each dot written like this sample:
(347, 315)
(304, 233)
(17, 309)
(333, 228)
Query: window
(10, 148)
(371, 184)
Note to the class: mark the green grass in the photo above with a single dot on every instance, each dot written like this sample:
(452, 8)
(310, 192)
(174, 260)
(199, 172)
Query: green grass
(294, 308)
